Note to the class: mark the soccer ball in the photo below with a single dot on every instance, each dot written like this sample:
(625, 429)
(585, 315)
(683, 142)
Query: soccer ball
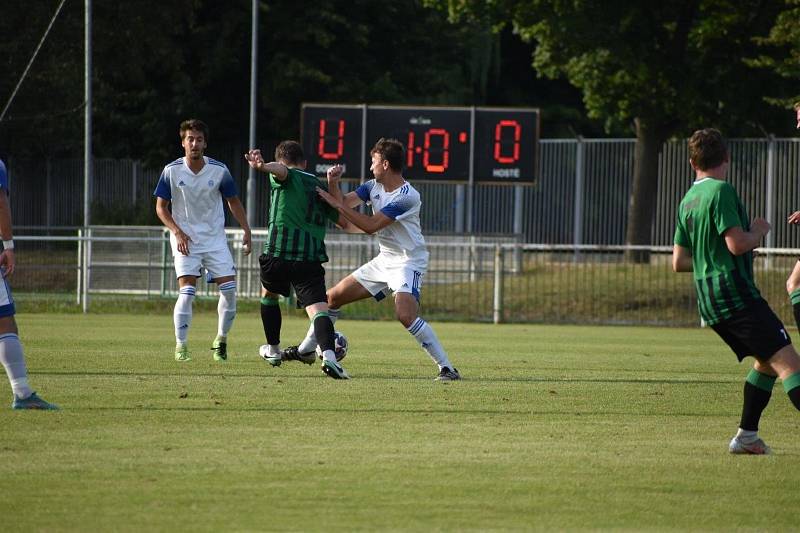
(339, 346)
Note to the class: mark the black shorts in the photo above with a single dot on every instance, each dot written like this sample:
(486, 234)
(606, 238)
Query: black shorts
(755, 331)
(307, 278)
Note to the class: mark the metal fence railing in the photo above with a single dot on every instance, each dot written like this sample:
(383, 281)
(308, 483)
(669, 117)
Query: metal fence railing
(581, 195)
(470, 278)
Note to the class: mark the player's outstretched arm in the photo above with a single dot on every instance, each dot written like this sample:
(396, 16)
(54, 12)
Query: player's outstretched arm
(238, 212)
(367, 223)
(681, 259)
(256, 160)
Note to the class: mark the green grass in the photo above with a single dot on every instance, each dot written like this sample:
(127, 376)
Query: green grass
(553, 427)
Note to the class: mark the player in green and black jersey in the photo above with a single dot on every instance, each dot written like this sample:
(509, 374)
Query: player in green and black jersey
(714, 240)
(294, 252)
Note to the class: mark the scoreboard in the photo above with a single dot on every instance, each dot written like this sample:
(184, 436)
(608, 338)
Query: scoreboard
(458, 144)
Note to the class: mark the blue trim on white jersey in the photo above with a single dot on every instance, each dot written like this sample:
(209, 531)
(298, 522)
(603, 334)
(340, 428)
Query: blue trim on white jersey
(178, 161)
(163, 190)
(365, 189)
(399, 205)
(227, 186)
(3, 176)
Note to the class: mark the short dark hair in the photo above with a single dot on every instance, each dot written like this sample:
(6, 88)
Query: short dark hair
(707, 149)
(290, 152)
(390, 150)
(194, 124)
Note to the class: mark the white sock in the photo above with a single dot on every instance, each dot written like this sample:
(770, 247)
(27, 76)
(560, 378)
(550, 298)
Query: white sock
(226, 309)
(273, 349)
(745, 435)
(429, 342)
(14, 362)
(309, 344)
(182, 315)
(329, 355)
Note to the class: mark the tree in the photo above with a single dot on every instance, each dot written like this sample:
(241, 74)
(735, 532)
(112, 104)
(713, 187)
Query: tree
(780, 53)
(662, 68)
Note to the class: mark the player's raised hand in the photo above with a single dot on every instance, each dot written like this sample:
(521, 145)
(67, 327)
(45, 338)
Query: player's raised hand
(7, 262)
(794, 218)
(254, 158)
(334, 173)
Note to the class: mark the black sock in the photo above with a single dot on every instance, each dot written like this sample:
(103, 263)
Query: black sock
(323, 331)
(792, 387)
(757, 392)
(271, 320)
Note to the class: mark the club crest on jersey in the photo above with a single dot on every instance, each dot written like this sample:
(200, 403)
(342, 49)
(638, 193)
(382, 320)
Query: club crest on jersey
(210, 183)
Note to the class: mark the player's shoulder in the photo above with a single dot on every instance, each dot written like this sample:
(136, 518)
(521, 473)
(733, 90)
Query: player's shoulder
(409, 191)
(214, 162)
(174, 165)
(300, 173)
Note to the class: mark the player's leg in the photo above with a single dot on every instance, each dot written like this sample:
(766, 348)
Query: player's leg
(756, 330)
(793, 288)
(274, 283)
(187, 270)
(182, 316)
(220, 268)
(271, 321)
(308, 279)
(13, 358)
(348, 290)
(407, 310)
(405, 279)
(786, 364)
(323, 332)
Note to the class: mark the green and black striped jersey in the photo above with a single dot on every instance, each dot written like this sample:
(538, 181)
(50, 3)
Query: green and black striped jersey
(298, 218)
(724, 281)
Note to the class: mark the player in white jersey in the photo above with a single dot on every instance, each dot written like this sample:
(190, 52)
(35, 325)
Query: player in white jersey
(189, 198)
(11, 354)
(403, 256)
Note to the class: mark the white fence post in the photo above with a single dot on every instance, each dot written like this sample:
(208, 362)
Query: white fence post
(497, 307)
(770, 193)
(577, 230)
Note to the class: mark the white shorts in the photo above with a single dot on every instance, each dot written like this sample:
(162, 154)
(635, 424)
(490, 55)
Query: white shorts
(217, 263)
(386, 273)
(6, 300)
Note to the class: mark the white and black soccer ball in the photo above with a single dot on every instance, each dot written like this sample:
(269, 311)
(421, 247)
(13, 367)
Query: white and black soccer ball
(339, 346)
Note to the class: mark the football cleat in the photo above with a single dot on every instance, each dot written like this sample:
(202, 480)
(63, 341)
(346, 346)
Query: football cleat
(182, 353)
(273, 359)
(293, 354)
(757, 447)
(33, 402)
(445, 374)
(220, 349)
(334, 370)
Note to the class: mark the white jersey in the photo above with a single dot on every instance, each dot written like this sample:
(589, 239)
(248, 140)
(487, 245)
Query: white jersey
(403, 236)
(197, 202)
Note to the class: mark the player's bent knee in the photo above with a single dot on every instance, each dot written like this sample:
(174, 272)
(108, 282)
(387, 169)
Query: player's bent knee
(785, 362)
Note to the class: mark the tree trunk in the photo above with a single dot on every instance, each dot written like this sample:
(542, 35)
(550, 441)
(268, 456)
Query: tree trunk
(641, 209)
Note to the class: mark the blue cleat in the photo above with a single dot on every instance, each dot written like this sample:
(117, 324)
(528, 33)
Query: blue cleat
(33, 402)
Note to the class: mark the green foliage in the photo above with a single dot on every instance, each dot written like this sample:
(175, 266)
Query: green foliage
(552, 429)
(671, 65)
(781, 52)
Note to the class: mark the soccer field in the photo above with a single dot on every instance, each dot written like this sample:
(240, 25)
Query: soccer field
(553, 427)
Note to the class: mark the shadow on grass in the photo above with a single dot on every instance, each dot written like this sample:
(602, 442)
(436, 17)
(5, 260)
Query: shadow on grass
(382, 377)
